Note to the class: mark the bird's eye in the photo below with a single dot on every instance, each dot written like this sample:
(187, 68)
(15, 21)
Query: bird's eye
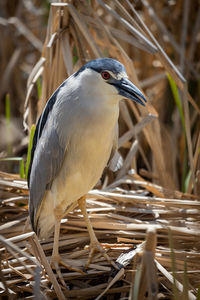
(105, 75)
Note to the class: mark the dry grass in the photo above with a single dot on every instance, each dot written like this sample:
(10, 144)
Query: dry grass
(123, 220)
(147, 219)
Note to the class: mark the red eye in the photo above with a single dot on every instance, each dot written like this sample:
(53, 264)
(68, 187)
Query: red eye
(105, 75)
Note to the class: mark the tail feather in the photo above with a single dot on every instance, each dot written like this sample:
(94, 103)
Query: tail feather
(45, 225)
(42, 219)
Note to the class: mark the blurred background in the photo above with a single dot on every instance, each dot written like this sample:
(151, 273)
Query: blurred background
(41, 45)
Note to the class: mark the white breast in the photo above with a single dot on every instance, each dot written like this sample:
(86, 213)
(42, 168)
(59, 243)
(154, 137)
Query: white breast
(86, 157)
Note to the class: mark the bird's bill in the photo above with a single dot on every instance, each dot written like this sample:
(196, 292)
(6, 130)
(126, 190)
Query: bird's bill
(128, 90)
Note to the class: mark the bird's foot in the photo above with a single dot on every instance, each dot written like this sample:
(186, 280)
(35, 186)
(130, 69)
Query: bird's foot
(96, 246)
(56, 260)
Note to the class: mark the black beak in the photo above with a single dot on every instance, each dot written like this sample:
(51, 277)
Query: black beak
(128, 90)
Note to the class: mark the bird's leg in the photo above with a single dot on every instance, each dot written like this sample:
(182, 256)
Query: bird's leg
(94, 243)
(56, 258)
(58, 216)
(55, 253)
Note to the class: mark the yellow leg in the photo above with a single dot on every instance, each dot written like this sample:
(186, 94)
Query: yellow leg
(55, 253)
(94, 243)
(59, 215)
(56, 259)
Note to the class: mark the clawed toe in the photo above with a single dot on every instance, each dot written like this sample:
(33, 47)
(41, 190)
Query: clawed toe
(54, 263)
(57, 260)
(94, 247)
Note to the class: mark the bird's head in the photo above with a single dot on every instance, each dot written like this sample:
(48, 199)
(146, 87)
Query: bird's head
(108, 76)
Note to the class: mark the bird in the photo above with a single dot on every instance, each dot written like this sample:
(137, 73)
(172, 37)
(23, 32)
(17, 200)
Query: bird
(75, 138)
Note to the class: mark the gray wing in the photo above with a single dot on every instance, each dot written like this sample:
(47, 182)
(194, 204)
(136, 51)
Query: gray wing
(115, 161)
(46, 156)
(47, 161)
(40, 125)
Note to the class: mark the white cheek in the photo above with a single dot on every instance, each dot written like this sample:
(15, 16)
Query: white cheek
(110, 89)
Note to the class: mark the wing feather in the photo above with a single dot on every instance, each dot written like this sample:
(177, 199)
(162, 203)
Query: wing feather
(40, 125)
(47, 155)
(115, 161)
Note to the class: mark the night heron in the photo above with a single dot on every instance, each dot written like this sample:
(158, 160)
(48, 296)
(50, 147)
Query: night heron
(75, 137)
